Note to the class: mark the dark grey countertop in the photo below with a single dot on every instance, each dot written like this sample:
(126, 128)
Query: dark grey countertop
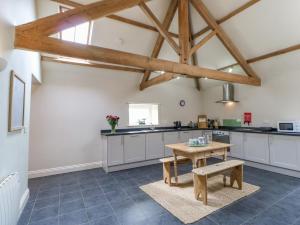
(257, 130)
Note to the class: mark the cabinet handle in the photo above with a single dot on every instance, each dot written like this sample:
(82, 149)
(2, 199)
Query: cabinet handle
(134, 135)
(270, 140)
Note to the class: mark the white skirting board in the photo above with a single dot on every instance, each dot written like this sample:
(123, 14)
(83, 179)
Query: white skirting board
(23, 201)
(64, 169)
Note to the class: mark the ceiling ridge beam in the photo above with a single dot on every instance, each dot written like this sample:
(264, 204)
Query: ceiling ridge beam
(117, 18)
(267, 56)
(223, 37)
(202, 42)
(94, 53)
(147, 11)
(61, 21)
(92, 64)
(160, 39)
(227, 17)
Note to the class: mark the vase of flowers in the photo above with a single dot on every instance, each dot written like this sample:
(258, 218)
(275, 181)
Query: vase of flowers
(113, 122)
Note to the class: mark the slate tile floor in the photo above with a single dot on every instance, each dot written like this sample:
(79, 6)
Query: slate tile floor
(94, 198)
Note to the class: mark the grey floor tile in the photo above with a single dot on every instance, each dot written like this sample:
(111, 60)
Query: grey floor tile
(50, 221)
(46, 202)
(71, 206)
(44, 213)
(71, 196)
(109, 220)
(225, 218)
(99, 212)
(74, 218)
(92, 192)
(97, 200)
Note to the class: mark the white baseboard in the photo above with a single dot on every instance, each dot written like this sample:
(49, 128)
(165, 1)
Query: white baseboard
(23, 201)
(64, 169)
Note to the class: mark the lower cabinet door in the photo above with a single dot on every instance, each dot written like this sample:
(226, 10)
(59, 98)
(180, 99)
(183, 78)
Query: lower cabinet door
(154, 146)
(170, 138)
(196, 133)
(236, 139)
(256, 148)
(115, 150)
(284, 151)
(185, 136)
(134, 148)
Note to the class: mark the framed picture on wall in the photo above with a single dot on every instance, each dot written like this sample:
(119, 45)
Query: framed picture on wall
(16, 103)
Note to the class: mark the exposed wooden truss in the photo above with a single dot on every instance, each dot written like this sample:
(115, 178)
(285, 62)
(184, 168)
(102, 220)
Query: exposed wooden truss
(212, 23)
(160, 39)
(117, 18)
(35, 36)
(227, 17)
(159, 26)
(267, 56)
(92, 64)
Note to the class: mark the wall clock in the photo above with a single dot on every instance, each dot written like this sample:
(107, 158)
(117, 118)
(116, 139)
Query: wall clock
(182, 103)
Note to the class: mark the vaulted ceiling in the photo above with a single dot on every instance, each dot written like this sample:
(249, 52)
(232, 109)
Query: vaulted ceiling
(263, 28)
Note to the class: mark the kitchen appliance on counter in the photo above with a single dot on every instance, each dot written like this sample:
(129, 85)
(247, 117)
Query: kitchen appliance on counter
(288, 126)
(177, 124)
(202, 121)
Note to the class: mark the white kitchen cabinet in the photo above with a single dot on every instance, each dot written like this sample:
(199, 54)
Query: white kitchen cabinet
(154, 146)
(115, 150)
(285, 151)
(236, 139)
(134, 148)
(185, 136)
(256, 147)
(170, 138)
(197, 133)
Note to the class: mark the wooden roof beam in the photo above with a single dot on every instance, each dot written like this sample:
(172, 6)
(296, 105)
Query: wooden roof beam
(92, 64)
(224, 38)
(159, 26)
(61, 21)
(157, 80)
(202, 42)
(227, 17)
(160, 39)
(117, 18)
(267, 56)
(75, 50)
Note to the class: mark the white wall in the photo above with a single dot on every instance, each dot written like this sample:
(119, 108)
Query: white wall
(14, 146)
(69, 109)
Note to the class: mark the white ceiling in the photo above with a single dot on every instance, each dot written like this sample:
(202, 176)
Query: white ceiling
(264, 27)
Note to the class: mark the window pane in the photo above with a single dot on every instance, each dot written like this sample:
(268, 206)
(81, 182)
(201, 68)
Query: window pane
(68, 34)
(143, 114)
(82, 32)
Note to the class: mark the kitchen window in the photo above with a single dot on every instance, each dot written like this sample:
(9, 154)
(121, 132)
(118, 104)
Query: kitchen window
(80, 34)
(143, 114)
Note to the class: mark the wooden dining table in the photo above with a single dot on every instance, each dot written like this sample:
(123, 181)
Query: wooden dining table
(198, 155)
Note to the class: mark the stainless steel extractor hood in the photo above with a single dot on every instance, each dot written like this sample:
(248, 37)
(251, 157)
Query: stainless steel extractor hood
(228, 94)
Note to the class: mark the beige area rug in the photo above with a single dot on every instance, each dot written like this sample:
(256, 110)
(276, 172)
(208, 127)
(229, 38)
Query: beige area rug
(180, 200)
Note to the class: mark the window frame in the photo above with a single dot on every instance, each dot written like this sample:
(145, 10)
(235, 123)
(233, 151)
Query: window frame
(145, 103)
(63, 9)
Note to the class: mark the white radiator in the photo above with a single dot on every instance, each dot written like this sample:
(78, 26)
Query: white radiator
(9, 203)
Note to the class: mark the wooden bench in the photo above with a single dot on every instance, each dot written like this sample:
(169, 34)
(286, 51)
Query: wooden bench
(201, 174)
(167, 162)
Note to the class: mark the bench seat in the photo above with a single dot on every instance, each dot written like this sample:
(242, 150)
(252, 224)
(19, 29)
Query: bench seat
(201, 174)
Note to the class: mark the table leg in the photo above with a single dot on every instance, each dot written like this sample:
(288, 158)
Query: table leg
(175, 168)
(194, 161)
(224, 158)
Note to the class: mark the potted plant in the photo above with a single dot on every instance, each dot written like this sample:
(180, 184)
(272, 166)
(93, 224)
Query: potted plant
(113, 122)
